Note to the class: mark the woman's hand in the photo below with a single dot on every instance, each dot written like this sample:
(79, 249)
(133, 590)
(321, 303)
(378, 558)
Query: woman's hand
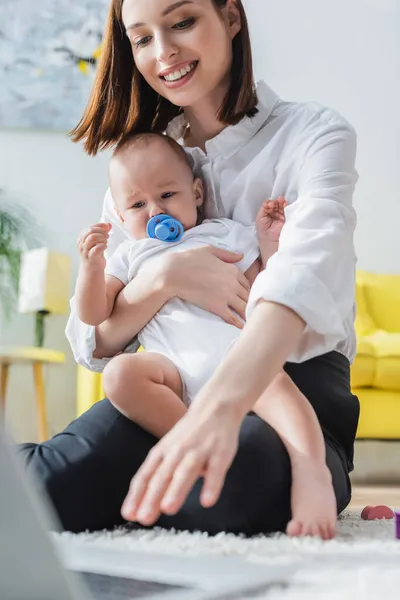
(209, 278)
(203, 277)
(202, 444)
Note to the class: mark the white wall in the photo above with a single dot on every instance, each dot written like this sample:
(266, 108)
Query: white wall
(345, 54)
(64, 188)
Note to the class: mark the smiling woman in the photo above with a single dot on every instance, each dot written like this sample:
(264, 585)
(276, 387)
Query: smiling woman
(156, 63)
(184, 68)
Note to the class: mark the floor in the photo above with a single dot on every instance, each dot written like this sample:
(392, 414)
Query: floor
(374, 495)
(361, 563)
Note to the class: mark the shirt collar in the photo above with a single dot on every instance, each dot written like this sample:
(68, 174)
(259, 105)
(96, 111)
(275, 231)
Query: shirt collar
(233, 137)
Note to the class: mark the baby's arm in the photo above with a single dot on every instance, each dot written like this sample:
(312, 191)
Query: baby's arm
(95, 295)
(269, 223)
(95, 292)
(253, 271)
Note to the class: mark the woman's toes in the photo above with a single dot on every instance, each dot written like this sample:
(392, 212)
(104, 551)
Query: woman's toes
(294, 529)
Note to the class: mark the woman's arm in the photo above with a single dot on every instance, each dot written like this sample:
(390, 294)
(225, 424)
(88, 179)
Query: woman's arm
(134, 307)
(204, 442)
(202, 276)
(313, 272)
(258, 355)
(297, 308)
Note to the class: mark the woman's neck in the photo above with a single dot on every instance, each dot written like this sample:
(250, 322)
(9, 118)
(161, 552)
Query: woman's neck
(202, 119)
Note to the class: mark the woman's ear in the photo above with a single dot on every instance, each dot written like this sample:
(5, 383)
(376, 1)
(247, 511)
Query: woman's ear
(233, 17)
(198, 190)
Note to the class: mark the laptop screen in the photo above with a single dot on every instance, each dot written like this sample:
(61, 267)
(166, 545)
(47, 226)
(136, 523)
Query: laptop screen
(110, 587)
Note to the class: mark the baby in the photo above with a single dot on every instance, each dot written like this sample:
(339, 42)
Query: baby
(150, 175)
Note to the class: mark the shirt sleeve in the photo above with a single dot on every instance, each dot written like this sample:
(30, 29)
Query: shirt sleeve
(243, 240)
(82, 337)
(313, 272)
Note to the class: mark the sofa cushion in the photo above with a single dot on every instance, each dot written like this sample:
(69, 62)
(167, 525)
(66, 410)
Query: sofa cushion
(382, 298)
(387, 355)
(364, 324)
(363, 368)
(380, 414)
(377, 363)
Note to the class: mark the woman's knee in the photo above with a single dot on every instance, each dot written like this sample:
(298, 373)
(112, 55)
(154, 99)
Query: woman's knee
(262, 458)
(86, 469)
(340, 477)
(257, 488)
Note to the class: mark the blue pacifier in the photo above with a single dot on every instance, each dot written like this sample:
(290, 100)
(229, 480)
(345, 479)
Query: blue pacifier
(165, 228)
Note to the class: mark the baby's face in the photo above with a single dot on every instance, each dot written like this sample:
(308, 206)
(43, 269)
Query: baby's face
(152, 179)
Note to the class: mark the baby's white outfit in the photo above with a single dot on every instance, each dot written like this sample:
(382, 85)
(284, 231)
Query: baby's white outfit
(195, 340)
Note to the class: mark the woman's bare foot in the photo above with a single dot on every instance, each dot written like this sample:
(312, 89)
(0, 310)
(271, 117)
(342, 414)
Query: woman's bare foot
(314, 509)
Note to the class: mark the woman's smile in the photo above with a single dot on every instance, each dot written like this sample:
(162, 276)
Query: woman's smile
(179, 74)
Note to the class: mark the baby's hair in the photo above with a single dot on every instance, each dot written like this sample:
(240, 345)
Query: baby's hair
(142, 139)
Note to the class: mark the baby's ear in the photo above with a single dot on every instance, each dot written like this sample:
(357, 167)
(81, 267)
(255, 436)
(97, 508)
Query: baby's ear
(198, 190)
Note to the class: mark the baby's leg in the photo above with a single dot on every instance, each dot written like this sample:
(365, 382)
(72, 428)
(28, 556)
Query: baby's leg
(146, 388)
(313, 500)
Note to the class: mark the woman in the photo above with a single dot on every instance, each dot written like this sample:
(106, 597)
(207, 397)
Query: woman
(160, 56)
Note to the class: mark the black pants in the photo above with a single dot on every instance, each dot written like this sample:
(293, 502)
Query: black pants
(87, 468)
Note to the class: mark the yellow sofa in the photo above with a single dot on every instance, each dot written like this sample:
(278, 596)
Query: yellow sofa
(89, 390)
(375, 374)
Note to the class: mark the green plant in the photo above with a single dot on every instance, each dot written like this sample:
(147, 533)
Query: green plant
(18, 232)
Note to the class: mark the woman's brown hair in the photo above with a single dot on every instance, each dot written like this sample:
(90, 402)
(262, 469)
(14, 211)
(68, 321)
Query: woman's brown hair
(123, 103)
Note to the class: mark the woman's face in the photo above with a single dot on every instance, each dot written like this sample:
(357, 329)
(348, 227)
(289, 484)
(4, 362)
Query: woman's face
(182, 48)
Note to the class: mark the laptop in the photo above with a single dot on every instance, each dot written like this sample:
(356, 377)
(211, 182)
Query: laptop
(38, 565)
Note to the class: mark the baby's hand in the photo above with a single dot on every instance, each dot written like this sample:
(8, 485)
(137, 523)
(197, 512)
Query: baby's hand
(271, 219)
(92, 243)
(269, 223)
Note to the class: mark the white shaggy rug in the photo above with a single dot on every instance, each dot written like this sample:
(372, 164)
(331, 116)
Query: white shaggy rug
(362, 563)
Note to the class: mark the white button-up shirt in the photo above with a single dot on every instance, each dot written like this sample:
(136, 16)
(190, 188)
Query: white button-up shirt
(302, 151)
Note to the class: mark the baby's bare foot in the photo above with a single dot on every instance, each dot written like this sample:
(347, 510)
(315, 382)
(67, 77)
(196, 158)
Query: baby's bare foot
(314, 509)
